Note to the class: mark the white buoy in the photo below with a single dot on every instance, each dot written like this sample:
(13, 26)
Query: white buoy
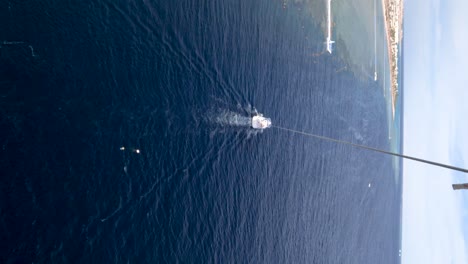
(122, 148)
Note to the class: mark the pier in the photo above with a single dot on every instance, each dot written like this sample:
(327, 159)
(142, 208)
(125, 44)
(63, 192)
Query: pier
(329, 42)
(375, 41)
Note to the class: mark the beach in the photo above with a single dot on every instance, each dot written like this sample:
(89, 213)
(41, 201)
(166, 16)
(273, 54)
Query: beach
(393, 16)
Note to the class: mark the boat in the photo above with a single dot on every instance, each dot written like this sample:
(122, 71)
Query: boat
(260, 122)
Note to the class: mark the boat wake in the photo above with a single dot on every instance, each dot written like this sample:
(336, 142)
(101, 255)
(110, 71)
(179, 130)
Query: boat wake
(237, 118)
(227, 118)
(231, 118)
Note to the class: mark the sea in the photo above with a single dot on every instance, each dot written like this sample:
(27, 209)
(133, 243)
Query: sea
(125, 137)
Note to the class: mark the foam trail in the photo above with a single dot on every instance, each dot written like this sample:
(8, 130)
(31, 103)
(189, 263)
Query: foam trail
(12, 42)
(230, 118)
(32, 51)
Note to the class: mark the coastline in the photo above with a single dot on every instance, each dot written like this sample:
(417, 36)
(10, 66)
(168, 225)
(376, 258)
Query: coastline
(393, 18)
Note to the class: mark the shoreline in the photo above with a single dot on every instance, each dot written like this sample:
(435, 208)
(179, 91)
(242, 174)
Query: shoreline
(393, 17)
(389, 53)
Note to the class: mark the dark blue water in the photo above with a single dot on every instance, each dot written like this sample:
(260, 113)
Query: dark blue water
(176, 80)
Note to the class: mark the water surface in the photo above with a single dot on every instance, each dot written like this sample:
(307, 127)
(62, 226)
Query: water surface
(176, 80)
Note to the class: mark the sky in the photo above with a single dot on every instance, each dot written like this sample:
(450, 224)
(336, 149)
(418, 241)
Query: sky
(435, 218)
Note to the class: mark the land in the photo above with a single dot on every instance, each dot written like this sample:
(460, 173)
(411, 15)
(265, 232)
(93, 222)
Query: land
(393, 14)
(353, 28)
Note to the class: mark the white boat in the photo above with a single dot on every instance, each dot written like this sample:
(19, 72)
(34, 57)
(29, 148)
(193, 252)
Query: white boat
(260, 122)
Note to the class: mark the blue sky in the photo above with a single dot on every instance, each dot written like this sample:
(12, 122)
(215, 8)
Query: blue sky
(435, 218)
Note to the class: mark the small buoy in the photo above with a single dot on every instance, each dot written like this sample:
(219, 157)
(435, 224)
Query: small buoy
(137, 151)
(122, 148)
(369, 185)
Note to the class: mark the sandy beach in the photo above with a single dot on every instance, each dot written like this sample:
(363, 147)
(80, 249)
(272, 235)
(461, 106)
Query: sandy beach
(393, 14)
